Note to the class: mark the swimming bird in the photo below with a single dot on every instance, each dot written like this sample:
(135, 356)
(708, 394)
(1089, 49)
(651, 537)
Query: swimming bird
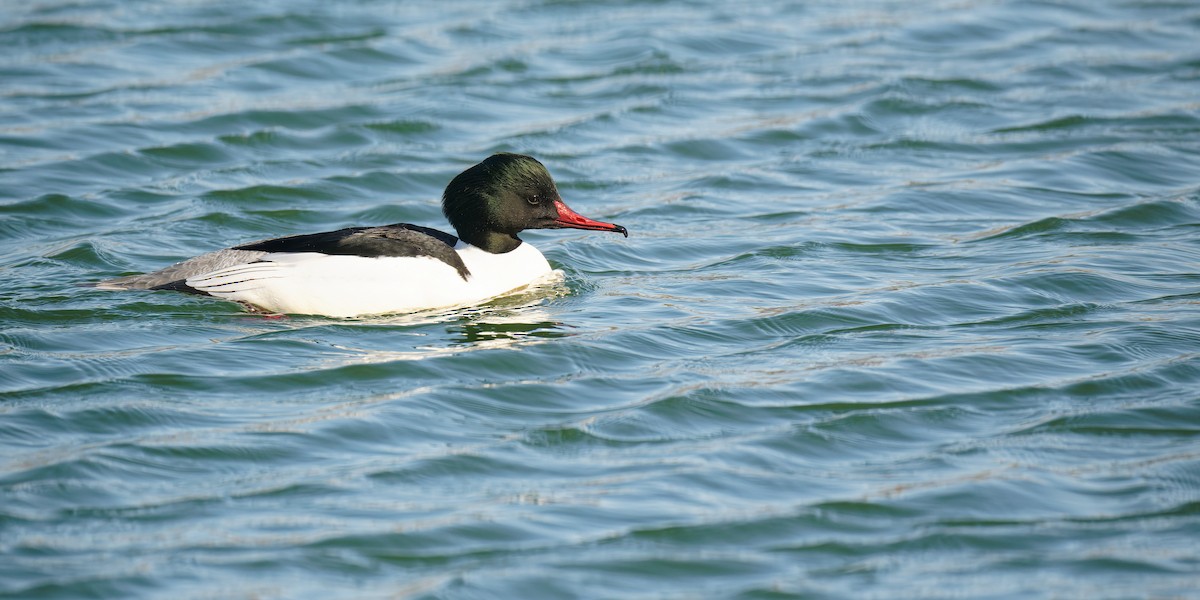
(395, 268)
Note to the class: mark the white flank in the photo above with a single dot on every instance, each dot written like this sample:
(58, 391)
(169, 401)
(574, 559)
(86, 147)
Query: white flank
(351, 286)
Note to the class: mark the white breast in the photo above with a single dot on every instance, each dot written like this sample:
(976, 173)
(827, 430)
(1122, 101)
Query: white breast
(349, 286)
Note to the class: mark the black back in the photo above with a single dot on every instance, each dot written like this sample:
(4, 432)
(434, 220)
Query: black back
(400, 239)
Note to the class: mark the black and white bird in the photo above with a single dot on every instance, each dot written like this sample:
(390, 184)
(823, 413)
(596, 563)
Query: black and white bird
(393, 268)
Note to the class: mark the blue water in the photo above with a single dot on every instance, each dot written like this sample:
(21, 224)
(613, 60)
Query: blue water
(910, 306)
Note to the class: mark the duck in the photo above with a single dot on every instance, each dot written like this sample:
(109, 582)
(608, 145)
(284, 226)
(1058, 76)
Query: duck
(397, 268)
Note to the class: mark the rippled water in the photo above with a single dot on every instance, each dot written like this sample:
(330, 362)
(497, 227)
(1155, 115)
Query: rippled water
(910, 305)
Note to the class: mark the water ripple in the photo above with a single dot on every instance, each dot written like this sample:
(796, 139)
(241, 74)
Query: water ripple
(909, 305)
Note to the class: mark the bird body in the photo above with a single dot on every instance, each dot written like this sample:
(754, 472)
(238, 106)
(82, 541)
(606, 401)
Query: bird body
(393, 268)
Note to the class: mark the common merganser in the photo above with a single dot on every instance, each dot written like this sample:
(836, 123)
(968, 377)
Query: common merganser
(393, 268)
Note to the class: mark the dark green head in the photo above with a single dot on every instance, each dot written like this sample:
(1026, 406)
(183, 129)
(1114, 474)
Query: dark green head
(493, 201)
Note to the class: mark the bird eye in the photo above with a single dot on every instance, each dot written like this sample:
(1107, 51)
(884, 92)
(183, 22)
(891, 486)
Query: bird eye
(534, 199)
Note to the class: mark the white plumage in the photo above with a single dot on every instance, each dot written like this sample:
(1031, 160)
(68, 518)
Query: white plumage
(351, 286)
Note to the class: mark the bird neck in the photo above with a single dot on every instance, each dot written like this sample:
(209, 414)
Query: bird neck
(494, 242)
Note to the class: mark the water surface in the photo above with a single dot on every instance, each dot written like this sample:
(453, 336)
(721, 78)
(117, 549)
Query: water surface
(910, 305)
